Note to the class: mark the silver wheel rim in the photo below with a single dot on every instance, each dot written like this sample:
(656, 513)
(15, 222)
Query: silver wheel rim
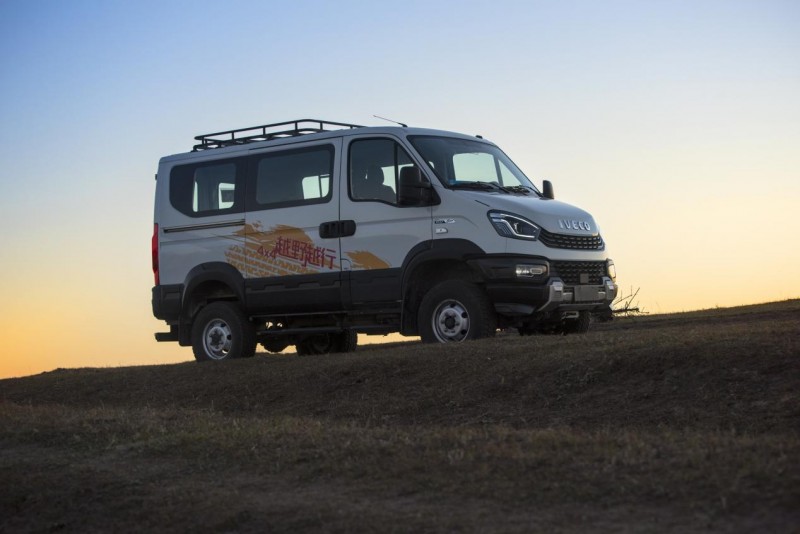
(217, 339)
(451, 322)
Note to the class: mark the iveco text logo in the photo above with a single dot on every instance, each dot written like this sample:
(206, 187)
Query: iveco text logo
(572, 224)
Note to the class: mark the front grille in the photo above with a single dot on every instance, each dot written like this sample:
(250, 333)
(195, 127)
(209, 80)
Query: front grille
(579, 242)
(570, 271)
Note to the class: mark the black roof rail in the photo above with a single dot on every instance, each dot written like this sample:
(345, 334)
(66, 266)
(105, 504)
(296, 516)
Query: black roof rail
(266, 132)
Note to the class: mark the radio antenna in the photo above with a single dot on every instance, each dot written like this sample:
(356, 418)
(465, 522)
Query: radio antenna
(390, 120)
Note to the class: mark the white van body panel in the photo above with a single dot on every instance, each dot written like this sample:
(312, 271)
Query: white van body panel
(384, 236)
(189, 248)
(462, 215)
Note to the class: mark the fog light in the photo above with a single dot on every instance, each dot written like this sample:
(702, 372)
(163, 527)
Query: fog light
(529, 271)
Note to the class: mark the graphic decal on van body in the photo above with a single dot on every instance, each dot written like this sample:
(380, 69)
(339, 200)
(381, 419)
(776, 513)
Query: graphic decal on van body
(285, 250)
(280, 251)
(363, 260)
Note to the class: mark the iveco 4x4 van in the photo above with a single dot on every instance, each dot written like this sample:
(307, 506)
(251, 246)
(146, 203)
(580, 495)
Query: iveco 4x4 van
(308, 232)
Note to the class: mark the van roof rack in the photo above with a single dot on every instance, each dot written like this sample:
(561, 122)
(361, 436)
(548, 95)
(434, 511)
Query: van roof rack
(266, 132)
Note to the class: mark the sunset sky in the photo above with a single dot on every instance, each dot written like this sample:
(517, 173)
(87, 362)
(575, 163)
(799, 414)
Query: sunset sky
(675, 123)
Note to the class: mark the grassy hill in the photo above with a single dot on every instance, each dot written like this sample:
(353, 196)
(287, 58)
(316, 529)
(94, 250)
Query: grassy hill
(684, 422)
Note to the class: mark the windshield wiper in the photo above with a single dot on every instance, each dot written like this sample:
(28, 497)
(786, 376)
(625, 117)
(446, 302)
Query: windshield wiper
(519, 189)
(480, 186)
(491, 186)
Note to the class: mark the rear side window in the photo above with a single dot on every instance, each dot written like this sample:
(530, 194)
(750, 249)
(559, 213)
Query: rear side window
(293, 178)
(207, 189)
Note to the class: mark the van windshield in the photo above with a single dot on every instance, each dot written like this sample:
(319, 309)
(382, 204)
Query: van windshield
(463, 163)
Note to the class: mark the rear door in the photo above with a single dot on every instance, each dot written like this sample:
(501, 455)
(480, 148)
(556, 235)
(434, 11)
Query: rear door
(383, 233)
(289, 266)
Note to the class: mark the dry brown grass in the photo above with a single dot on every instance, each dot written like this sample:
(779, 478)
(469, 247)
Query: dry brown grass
(685, 422)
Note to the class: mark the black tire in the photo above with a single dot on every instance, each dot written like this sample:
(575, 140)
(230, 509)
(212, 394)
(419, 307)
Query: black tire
(455, 311)
(579, 325)
(345, 341)
(221, 331)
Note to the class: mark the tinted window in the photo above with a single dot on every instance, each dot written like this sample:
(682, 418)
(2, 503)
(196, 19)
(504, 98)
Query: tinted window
(205, 189)
(375, 166)
(294, 178)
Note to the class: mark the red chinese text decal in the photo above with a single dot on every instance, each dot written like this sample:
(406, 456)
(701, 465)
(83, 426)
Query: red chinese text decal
(300, 251)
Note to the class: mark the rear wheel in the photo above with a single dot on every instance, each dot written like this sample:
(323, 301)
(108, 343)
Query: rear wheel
(455, 311)
(345, 341)
(221, 331)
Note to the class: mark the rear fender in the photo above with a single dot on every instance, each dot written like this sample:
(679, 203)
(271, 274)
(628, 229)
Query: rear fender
(205, 283)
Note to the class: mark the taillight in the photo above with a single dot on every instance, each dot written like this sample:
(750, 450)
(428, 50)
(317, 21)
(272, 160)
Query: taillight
(154, 249)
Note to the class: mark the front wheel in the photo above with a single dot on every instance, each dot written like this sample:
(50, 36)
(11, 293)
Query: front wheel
(221, 331)
(455, 311)
(579, 325)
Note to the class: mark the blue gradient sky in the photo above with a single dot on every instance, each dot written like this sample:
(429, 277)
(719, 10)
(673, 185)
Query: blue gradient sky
(676, 124)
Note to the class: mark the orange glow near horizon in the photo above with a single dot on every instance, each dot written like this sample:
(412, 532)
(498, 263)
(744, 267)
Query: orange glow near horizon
(676, 125)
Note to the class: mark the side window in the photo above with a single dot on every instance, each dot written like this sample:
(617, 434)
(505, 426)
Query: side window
(294, 177)
(213, 188)
(205, 189)
(375, 166)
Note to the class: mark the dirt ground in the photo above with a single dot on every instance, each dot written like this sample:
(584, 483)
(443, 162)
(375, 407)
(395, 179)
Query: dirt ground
(685, 422)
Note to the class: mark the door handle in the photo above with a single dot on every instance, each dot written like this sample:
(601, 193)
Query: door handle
(332, 229)
(326, 230)
(347, 228)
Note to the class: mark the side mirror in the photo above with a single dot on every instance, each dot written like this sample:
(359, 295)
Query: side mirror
(547, 189)
(412, 189)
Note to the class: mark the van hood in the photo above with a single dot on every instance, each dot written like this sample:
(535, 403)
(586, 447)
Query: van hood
(552, 215)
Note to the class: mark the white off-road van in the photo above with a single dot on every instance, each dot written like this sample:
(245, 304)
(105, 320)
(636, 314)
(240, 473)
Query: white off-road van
(308, 232)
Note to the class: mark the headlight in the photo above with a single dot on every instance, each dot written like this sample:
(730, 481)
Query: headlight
(612, 270)
(510, 225)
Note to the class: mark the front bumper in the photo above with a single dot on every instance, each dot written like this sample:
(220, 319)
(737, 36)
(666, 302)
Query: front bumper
(517, 299)
(514, 296)
(581, 297)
